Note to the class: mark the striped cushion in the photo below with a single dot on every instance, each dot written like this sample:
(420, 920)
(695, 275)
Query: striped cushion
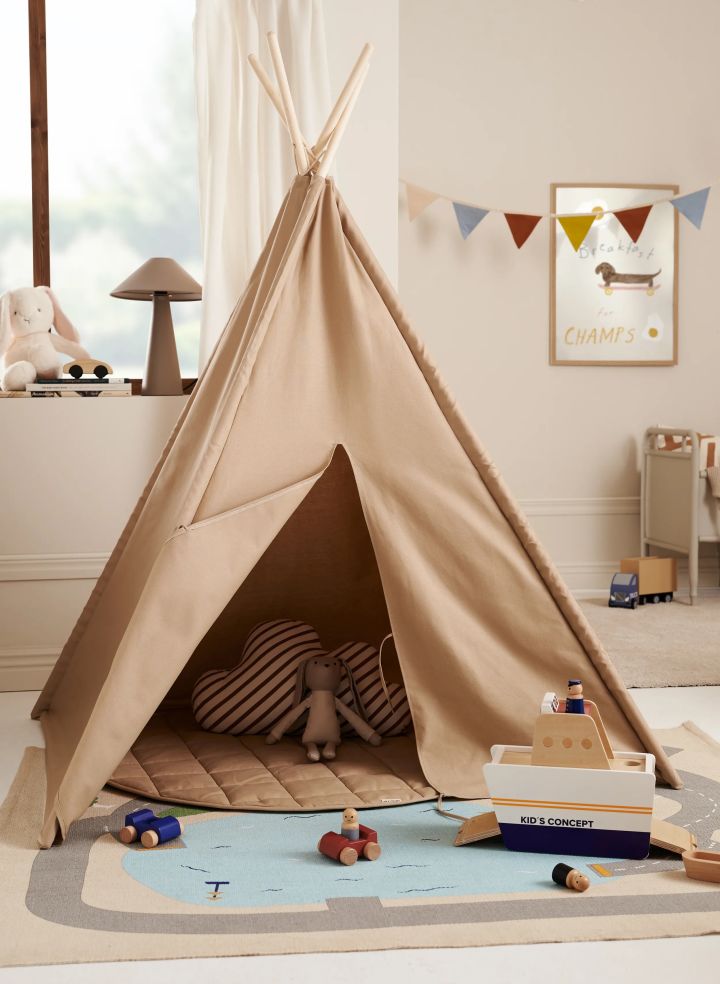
(252, 696)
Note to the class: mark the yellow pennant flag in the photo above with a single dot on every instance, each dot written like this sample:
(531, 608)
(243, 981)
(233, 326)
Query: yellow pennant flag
(576, 228)
(418, 199)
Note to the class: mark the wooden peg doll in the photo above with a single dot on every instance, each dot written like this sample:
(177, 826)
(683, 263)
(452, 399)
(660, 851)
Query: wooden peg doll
(350, 825)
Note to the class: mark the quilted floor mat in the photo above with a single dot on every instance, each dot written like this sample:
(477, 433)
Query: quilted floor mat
(175, 761)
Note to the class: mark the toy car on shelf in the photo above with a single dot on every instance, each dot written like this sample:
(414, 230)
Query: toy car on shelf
(346, 851)
(90, 367)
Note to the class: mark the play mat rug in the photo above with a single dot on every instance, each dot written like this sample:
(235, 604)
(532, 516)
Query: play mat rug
(251, 883)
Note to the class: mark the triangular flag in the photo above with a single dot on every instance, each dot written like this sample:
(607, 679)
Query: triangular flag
(468, 217)
(521, 226)
(693, 205)
(418, 199)
(633, 220)
(576, 228)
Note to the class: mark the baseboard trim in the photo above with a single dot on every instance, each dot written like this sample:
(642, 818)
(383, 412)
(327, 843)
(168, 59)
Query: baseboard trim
(52, 567)
(601, 506)
(26, 667)
(591, 579)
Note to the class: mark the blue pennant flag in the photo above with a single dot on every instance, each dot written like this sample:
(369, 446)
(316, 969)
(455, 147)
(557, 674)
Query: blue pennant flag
(468, 217)
(692, 206)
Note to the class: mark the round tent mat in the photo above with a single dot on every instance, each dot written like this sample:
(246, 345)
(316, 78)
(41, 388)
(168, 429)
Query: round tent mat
(175, 761)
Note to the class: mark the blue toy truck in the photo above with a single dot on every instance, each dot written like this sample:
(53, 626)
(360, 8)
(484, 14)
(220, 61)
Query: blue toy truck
(643, 580)
(624, 591)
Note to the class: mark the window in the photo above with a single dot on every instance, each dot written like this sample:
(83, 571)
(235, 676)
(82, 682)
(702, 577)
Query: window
(15, 178)
(122, 165)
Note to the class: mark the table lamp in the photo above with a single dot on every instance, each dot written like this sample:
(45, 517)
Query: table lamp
(160, 280)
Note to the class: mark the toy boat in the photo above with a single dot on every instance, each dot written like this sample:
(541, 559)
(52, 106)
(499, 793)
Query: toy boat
(702, 865)
(570, 793)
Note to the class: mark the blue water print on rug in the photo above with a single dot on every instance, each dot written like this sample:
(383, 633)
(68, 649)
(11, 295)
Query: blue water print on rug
(270, 859)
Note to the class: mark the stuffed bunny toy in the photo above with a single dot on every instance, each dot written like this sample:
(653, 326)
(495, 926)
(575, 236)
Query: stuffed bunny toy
(27, 342)
(322, 676)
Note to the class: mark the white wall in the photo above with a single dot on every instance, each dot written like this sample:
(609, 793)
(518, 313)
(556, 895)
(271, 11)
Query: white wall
(72, 473)
(367, 162)
(498, 100)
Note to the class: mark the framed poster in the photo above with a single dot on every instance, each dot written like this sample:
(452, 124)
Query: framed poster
(614, 302)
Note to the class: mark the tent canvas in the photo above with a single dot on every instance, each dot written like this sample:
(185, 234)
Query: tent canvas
(318, 356)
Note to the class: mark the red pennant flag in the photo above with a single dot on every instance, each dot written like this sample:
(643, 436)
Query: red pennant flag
(633, 220)
(521, 226)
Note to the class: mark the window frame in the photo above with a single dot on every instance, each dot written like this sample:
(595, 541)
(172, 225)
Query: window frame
(39, 143)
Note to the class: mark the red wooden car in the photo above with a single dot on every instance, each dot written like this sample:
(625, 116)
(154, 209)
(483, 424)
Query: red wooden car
(347, 851)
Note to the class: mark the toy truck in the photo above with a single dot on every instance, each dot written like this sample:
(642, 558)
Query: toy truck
(643, 580)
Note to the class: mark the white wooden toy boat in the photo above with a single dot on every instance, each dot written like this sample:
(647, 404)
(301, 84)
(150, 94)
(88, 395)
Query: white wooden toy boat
(570, 793)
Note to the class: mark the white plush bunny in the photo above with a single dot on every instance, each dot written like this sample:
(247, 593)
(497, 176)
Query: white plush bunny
(27, 342)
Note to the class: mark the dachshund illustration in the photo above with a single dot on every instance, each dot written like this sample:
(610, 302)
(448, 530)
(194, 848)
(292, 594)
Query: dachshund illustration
(610, 276)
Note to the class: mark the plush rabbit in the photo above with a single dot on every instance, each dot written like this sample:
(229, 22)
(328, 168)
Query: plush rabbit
(322, 676)
(27, 342)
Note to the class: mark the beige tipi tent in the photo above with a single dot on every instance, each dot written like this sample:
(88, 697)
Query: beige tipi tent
(321, 471)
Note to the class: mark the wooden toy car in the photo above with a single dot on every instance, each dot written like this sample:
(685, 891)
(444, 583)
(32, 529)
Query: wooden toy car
(91, 367)
(151, 830)
(339, 848)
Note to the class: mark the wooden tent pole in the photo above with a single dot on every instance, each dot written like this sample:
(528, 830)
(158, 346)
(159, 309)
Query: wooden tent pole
(336, 136)
(354, 78)
(298, 142)
(266, 83)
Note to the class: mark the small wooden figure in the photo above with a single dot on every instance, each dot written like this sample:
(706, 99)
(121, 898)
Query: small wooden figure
(574, 703)
(346, 851)
(563, 874)
(350, 827)
(151, 830)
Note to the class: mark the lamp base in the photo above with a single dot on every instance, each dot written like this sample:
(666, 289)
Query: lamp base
(162, 368)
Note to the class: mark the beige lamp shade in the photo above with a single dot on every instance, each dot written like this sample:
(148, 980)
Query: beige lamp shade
(160, 280)
(160, 275)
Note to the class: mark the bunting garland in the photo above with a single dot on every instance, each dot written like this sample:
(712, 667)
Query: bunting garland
(633, 220)
(521, 226)
(468, 217)
(576, 227)
(692, 206)
(418, 200)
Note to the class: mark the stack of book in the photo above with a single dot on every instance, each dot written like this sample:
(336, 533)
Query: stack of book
(85, 386)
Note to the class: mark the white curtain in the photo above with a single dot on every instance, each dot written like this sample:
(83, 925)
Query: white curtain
(245, 158)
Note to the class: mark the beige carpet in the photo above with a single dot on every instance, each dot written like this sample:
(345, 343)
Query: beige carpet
(248, 883)
(665, 645)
